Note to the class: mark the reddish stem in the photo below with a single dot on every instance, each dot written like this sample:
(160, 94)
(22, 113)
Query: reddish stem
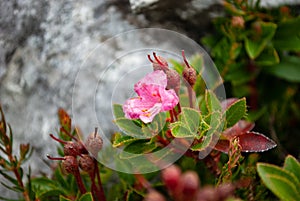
(55, 158)
(185, 60)
(157, 59)
(142, 181)
(79, 182)
(149, 57)
(57, 139)
(67, 133)
(100, 190)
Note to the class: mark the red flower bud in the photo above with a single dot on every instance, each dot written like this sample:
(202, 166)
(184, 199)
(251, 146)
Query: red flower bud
(159, 63)
(70, 165)
(72, 148)
(94, 143)
(154, 196)
(189, 73)
(190, 184)
(86, 163)
(171, 176)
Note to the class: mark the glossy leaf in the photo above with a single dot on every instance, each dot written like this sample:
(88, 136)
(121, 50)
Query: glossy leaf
(287, 69)
(256, 44)
(281, 182)
(239, 128)
(292, 165)
(255, 142)
(287, 35)
(235, 112)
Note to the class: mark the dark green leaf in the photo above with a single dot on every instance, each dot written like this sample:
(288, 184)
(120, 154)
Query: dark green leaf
(256, 43)
(235, 112)
(287, 36)
(121, 139)
(9, 178)
(281, 182)
(268, 57)
(44, 187)
(137, 148)
(287, 69)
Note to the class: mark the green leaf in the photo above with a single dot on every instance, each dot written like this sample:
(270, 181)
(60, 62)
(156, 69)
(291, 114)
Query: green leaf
(44, 187)
(118, 111)
(287, 36)
(268, 57)
(287, 69)
(212, 102)
(120, 140)
(157, 124)
(86, 197)
(62, 198)
(138, 148)
(188, 124)
(131, 127)
(256, 43)
(215, 122)
(281, 182)
(9, 178)
(235, 112)
(292, 165)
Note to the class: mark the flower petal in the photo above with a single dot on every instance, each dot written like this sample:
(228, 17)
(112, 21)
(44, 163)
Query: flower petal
(157, 77)
(169, 99)
(147, 116)
(134, 107)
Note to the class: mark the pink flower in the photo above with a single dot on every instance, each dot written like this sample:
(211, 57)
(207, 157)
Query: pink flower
(152, 99)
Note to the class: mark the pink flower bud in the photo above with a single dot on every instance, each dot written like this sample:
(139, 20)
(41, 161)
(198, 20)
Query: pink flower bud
(190, 184)
(154, 196)
(170, 177)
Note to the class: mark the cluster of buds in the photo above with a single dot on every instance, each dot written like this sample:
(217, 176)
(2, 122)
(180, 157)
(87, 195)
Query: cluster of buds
(186, 187)
(80, 155)
(189, 73)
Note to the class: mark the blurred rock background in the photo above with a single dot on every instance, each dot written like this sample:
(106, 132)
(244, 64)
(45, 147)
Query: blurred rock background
(43, 43)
